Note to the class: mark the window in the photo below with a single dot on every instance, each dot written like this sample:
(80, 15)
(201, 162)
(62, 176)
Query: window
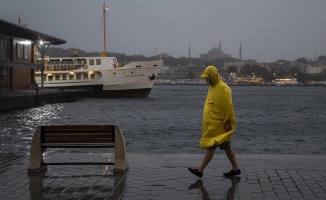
(64, 77)
(85, 76)
(50, 78)
(25, 51)
(78, 76)
(4, 48)
(92, 76)
(57, 77)
(71, 77)
(98, 61)
(91, 61)
(18, 51)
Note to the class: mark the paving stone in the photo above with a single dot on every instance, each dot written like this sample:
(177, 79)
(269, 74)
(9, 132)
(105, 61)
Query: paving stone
(165, 176)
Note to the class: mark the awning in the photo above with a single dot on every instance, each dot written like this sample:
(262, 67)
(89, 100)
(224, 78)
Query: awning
(15, 31)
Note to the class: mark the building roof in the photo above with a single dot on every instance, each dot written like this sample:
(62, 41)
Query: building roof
(16, 31)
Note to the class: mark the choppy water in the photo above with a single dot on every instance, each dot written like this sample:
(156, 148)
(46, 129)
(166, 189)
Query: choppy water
(270, 120)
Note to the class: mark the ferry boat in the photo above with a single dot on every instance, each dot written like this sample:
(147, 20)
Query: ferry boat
(105, 76)
(246, 81)
(285, 81)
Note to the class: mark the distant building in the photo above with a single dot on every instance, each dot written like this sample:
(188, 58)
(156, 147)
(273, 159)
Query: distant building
(17, 55)
(237, 64)
(315, 69)
(214, 53)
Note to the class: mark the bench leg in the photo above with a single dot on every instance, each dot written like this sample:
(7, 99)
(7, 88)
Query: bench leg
(36, 154)
(120, 159)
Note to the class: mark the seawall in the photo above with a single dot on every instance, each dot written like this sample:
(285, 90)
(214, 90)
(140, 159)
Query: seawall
(25, 99)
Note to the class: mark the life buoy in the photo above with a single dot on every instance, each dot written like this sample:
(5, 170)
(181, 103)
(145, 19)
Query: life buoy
(56, 68)
(71, 67)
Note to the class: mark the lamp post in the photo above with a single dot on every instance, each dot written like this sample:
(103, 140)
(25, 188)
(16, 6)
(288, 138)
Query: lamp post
(42, 48)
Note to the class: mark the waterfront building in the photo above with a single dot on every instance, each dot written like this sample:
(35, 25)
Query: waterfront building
(18, 46)
(315, 69)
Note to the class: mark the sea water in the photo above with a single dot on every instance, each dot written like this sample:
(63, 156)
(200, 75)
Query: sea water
(270, 120)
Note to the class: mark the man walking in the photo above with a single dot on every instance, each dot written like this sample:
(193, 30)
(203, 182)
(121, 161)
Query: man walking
(218, 122)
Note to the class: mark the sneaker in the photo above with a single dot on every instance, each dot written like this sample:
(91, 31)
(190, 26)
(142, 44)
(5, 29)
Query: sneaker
(195, 172)
(232, 173)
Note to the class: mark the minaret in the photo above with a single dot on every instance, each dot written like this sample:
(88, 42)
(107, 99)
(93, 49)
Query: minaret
(189, 52)
(219, 46)
(315, 55)
(240, 52)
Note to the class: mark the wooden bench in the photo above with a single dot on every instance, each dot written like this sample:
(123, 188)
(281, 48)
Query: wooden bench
(77, 136)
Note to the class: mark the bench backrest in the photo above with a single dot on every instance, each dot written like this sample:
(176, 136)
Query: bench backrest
(64, 134)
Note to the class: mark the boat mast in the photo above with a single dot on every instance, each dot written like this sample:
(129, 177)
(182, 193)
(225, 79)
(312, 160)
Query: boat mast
(105, 9)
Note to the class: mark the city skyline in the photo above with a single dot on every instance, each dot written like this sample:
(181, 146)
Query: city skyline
(267, 30)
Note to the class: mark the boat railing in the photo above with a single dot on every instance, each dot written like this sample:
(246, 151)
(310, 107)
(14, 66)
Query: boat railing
(64, 67)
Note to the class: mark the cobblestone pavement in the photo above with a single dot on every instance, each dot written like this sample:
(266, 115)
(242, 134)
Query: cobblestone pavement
(165, 176)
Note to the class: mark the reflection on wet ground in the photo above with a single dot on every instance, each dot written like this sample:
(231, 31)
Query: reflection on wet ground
(88, 186)
(164, 176)
(229, 195)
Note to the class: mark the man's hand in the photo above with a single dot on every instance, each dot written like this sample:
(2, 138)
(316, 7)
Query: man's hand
(227, 126)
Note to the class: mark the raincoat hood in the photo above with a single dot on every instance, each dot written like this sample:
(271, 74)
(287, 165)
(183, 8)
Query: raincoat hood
(212, 73)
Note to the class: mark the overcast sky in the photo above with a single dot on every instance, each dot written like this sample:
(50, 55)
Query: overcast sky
(267, 29)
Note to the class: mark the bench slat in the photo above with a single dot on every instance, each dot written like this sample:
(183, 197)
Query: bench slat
(63, 131)
(78, 145)
(79, 163)
(109, 127)
(78, 140)
(91, 134)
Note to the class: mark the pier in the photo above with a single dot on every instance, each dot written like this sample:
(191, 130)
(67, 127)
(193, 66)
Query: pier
(29, 98)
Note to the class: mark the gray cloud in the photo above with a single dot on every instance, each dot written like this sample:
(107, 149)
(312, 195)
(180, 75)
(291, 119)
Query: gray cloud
(268, 30)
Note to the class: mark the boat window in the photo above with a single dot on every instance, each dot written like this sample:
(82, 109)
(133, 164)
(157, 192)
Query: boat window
(92, 76)
(98, 61)
(50, 78)
(71, 77)
(78, 76)
(57, 77)
(64, 77)
(80, 62)
(91, 61)
(85, 76)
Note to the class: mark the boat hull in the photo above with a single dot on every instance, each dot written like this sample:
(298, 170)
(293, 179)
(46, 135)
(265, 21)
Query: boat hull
(130, 93)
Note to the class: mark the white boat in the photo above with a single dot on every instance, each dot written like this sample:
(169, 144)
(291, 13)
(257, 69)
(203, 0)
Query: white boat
(104, 75)
(285, 81)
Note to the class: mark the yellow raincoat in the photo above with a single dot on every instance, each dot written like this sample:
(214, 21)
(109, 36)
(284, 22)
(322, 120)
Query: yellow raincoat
(217, 110)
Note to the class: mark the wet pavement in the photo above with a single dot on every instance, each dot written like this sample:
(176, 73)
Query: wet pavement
(165, 176)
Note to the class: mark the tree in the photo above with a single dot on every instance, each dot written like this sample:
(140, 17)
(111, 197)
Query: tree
(321, 58)
(191, 75)
(256, 70)
(232, 69)
(302, 60)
